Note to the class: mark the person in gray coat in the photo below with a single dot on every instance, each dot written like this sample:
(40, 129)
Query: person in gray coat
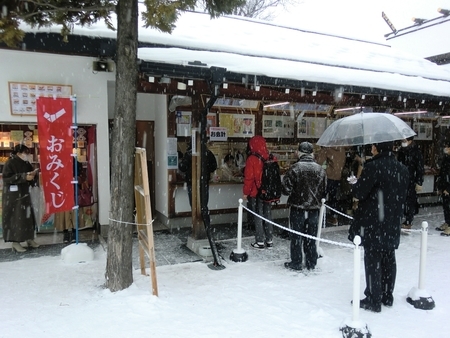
(381, 194)
(18, 216)
(305, 184)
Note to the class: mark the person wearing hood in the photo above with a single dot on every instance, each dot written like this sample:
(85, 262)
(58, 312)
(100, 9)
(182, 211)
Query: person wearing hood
(409, 154)
(18, 220)
(443, 184)
(305, 184)
(252, 182)
(381, 194)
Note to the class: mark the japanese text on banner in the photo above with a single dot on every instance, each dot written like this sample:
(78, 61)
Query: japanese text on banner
(56, 146)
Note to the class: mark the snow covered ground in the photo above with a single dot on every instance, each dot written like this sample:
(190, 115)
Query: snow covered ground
(47, 297)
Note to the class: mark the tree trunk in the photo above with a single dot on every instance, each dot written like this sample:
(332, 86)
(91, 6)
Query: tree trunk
(119, 274)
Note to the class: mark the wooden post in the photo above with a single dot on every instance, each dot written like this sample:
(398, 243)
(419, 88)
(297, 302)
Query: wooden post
(144, 216)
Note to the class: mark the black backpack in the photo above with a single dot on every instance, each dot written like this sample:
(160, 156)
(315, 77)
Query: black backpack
(270, 190)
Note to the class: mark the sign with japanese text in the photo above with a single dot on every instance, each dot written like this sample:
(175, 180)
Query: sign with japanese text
(218, 134)
(23, 95)
(55, 142)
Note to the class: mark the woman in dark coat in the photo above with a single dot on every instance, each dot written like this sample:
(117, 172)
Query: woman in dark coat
(18, 216)
(381, 191)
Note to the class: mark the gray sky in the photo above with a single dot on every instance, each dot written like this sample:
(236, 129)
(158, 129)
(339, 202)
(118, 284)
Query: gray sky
(359, 18)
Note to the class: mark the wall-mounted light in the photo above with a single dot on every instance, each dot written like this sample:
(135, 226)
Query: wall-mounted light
(444, 12)
(181, 86)
(276, 104)
(418, 21)
(347, 109)
(165, 80)
(411, 112)
(103, 65)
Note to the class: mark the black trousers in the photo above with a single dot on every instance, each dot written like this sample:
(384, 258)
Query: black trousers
(446, 207)
(381, 271)
(306, 224)
(410, 205)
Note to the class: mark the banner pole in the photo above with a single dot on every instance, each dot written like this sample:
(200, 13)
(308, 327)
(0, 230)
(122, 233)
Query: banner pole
(75, 163)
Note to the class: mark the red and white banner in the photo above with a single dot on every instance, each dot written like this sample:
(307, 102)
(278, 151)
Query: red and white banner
(56, 146)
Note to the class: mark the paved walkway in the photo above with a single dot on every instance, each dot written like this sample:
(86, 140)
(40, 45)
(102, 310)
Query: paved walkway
(170, 247)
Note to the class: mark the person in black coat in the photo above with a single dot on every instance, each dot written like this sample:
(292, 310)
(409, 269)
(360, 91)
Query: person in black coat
(410, 155)
(185, 166)
(443, 184)
(381, 191)
(305, 183)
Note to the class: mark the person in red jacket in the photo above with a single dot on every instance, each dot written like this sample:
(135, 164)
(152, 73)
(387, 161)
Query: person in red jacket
(252, 182)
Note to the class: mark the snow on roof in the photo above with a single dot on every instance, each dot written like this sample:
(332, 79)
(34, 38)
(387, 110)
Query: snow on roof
(257, 47)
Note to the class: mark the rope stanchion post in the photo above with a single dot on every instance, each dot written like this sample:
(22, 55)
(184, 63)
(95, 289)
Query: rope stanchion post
(355, 328)
(319, 227)
(419, 297)
(239, 254)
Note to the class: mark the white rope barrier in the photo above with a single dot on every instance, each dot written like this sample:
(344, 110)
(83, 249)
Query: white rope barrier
(130, 223)
(300, 233)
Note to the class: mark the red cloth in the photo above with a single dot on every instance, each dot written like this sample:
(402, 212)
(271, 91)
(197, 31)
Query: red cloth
(254, 166)
(56, 145)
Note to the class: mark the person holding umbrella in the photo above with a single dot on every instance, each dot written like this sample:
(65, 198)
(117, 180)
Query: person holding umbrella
(409, 155)
(381, 194)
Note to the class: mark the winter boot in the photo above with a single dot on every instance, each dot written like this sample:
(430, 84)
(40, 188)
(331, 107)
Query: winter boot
(17, 247)
(73, 238)
(31, 243)
(406, 226)
(443, 227)
(66, 238)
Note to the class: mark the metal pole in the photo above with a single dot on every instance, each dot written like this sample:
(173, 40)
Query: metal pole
(239, 255)
(239, 232)
(423, 255)
(356, 277)
(320, 223)
(75, 164)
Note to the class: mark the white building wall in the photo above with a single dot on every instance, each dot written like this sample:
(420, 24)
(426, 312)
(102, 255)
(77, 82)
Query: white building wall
(89, 87)
(152, 107)
(161, 171)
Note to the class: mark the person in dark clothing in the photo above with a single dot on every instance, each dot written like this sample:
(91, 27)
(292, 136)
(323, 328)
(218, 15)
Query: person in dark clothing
(409, 155)
(305, 184)
(18, 220)
(443, 184)
(381, 194)
(185, 166)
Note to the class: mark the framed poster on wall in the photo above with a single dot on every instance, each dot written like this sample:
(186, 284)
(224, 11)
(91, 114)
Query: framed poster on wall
(22, 95)
(183, 123)
(278, 126)
(238, 125)
(424, 130)
(311, 127)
